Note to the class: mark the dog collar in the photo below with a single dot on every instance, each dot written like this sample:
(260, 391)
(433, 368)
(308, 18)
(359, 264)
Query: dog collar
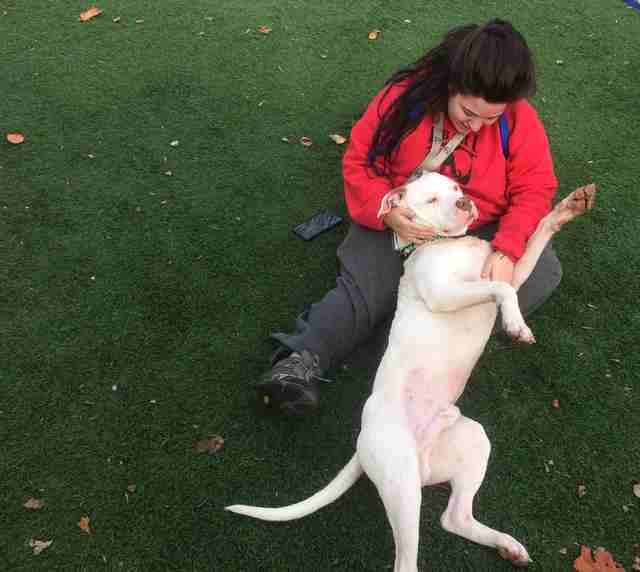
(407, 250)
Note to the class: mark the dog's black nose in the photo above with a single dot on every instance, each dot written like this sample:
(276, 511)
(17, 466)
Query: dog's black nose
(464, 204)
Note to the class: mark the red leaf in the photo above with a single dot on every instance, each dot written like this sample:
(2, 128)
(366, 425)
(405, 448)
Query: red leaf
(90, 13)
(603, 562)
(15, 138)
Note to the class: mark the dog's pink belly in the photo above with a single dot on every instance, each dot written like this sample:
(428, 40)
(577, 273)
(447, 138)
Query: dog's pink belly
(428, 402)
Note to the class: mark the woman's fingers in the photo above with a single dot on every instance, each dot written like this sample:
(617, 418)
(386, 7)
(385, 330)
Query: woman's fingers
(486, 269)
(498, 267)
(421, 231)
(400, 219)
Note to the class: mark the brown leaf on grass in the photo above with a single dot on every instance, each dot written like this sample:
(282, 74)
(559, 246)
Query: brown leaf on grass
(33, 504)
(264, 30)
(210, 445)
(84, 524)
(338, 139)
(636, 563)
(373, 35)
(306, 141)
(636, 489)
(555, 404)
(90, 13)
(602, 562)
(15, 138)
(131, 488)
(39, 545)
(581, 490)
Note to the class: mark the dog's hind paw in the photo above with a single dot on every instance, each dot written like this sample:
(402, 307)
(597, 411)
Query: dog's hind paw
(576, 203)
(514, 552)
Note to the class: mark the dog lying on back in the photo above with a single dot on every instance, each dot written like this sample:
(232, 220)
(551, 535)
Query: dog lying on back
(412, 433)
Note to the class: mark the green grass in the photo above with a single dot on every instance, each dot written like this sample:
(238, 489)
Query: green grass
(135, 305)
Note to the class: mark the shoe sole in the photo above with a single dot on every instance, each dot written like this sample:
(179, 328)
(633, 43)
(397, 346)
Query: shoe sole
(287, 398)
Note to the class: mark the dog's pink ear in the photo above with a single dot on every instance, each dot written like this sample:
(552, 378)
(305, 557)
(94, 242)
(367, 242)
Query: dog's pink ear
(391, 199)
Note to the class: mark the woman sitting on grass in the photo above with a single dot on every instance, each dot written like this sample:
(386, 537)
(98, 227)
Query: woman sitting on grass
(452, 99)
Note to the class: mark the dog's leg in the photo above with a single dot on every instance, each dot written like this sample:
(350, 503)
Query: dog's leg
(578, 202)
(449, 296)
(461, 457)
(387, 453)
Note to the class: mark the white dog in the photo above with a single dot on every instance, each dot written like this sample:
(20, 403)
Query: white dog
(412, 433)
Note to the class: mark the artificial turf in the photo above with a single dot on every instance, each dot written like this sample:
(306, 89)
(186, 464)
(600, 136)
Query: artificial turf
(140, 280)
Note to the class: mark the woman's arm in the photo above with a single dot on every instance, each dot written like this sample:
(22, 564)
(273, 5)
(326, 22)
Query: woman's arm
(531, 183)
(363, 188)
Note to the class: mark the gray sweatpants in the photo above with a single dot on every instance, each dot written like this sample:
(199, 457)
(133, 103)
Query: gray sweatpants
(366, 289)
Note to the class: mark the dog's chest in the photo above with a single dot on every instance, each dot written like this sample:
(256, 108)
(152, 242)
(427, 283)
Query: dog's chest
(461, 258)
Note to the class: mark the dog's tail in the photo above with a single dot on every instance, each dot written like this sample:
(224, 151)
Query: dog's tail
(343, 481)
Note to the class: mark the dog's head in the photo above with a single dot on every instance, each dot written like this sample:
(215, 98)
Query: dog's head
(439, 202)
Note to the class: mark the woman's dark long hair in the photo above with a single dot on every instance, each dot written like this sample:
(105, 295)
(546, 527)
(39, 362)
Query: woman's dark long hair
(491, 61)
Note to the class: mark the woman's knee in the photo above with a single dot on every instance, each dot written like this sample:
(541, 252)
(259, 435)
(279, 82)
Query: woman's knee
(544, 280)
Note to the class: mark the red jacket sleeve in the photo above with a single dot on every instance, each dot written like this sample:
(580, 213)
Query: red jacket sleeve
(363, 188)
(531, 183)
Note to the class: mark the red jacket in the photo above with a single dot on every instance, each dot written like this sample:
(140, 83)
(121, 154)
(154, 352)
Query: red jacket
(516, 191)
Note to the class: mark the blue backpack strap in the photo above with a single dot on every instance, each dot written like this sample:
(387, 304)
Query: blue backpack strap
(504, 135)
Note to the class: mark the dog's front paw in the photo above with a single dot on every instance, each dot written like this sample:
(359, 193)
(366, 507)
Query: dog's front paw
(510, 549)
(518, 330)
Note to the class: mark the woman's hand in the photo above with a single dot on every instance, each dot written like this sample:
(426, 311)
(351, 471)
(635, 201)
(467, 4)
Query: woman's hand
(400, 219)
(498, 267)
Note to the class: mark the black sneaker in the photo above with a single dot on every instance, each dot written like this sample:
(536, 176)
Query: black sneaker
(290, 386)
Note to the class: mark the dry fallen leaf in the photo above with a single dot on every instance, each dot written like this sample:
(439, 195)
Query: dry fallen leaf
(39, 545)
(636, 563)
(636, 489)
(210, 445)
(90, 13)
(603, 561)
(373, 34)
(338, 139)
(33, 504)
(306, 141)
(15, 138)
(84, 524)
(581, 490)
(131, 488)
(264, 29)
(555, 404)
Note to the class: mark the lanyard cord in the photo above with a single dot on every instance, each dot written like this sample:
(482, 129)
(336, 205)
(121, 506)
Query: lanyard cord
(438, 154)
